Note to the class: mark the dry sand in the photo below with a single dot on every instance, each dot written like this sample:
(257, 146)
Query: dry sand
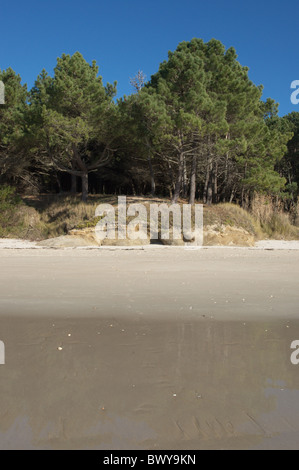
(149, 349)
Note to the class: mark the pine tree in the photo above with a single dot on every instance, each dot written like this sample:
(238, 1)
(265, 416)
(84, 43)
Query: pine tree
(78, 117)
(207, 120)
(14, 161)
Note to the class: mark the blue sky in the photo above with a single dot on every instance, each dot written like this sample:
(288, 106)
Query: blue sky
(126, 35)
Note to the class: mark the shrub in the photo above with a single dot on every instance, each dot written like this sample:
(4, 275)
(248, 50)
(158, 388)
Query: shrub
(275, 222)
(9, 205)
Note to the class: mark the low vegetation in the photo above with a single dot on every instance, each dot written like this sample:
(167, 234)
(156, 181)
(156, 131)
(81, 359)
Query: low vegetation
(49, 216)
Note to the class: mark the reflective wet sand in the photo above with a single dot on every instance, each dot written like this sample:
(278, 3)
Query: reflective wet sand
(113, 351)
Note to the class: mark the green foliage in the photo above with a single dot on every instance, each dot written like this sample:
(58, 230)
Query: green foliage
(9, 199)
(9, 204)
(13, 158)
(73, 116)
(198, 127)
(289, 166)
(201, 104)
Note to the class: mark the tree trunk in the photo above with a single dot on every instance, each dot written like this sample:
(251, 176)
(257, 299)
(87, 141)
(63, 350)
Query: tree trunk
(84, 178)
(193, 180)
(172, 184)
(59, 184)
(210, 194)
(232, 195)
(207, 182)
(178, 184)
(185, 180)
(74, 177)
(153, 183)
(243, 204)
(133, 188)
(215, 183)
(74, 184)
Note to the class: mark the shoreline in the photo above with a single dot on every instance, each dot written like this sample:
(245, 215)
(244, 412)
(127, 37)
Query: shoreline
(17, 244)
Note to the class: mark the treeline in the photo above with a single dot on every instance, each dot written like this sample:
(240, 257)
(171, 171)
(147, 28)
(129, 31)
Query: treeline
(198, 129)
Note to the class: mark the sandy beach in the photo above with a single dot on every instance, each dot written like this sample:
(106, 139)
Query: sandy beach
(149, 349)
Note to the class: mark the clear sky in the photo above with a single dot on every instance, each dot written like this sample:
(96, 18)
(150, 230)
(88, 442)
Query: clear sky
(126, 35)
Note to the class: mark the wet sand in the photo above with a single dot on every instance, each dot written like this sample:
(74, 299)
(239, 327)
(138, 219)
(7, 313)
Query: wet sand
(162, 349)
